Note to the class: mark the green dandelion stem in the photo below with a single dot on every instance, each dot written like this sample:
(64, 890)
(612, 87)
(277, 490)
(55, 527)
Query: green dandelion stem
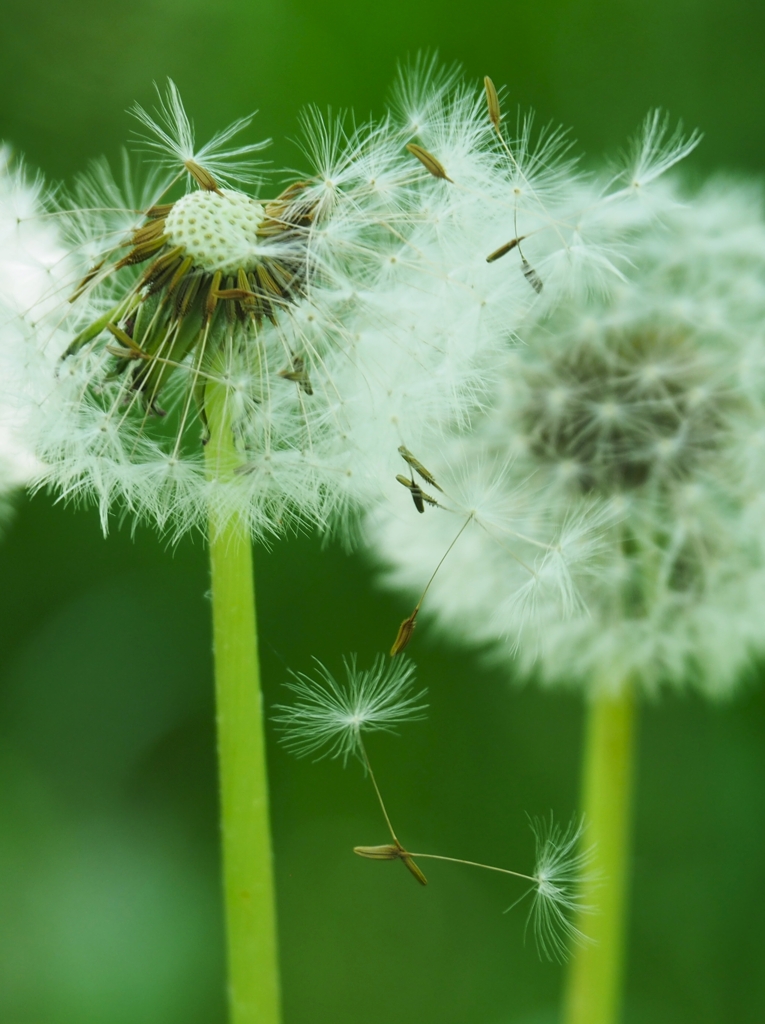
(248, 882)
(594, 983)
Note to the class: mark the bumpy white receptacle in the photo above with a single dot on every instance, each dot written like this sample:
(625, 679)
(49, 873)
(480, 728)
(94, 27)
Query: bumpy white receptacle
(218, 230)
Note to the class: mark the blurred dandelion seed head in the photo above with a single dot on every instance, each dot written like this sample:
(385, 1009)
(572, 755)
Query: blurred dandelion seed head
(623, 410)
(633, 418)
(31, 261)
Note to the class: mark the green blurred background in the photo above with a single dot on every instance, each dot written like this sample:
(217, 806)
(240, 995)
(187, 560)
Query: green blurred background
(109, 904)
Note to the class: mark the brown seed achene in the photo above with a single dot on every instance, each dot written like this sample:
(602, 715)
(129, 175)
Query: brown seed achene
(504, 249)
(431, 164)
(492, 101)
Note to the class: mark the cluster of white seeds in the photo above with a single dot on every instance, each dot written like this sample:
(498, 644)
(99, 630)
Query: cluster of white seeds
(614, 474)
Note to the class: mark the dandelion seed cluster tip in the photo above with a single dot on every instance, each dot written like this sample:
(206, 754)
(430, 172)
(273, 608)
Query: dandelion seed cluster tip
(622, 451)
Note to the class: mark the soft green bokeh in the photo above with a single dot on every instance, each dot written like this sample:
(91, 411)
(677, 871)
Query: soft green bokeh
(109, 906)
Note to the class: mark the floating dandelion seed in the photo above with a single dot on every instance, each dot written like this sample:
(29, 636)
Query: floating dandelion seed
(329, 714)
(332, 715)
(556, 897)
(559, 873)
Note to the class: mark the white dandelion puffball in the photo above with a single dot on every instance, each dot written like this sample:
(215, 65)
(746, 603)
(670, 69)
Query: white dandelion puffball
(612, 485)
(361, 307)
(32, 261)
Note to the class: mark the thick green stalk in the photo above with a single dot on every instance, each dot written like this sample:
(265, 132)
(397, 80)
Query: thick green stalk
(248, 883)
(594, 983)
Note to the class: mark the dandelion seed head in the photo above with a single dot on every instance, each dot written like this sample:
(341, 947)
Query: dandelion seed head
(335, 316)
(634, 413)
